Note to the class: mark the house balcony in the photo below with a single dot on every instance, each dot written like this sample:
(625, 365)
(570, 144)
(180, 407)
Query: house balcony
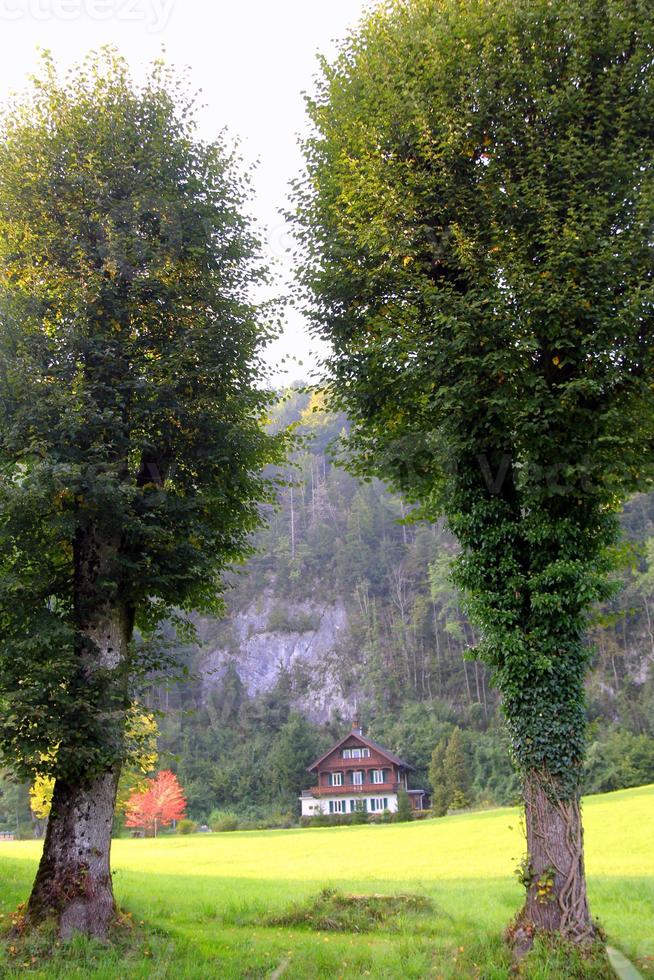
(348, 789)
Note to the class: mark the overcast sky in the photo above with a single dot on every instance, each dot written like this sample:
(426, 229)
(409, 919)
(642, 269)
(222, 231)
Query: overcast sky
(251, 58)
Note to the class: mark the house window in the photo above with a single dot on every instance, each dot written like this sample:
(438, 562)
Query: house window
(378, 775)
(365, 753)
(337, 806)
(357, 778)
(347, 753)
(378, 803)
(356, 753)
(336, 779)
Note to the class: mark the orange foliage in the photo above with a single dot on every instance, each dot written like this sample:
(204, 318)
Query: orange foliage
(157, 806)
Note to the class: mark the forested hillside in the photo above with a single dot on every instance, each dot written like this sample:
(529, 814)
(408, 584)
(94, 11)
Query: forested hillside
(346, 607)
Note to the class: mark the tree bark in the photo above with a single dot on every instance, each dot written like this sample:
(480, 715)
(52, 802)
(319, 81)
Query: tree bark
(556, 900)
(73, 883)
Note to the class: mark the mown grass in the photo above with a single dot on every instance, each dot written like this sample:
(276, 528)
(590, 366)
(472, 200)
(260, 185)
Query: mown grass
(222, 905)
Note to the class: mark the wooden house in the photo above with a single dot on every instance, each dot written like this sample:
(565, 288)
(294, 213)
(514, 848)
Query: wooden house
(358, 774)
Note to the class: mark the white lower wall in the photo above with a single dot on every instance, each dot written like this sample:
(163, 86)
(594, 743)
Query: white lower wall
(313, 805)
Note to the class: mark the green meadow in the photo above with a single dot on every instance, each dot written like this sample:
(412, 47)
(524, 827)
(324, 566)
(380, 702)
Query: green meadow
(243, 905)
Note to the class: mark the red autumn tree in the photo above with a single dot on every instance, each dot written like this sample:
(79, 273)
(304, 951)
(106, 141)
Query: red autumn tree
(157, 806)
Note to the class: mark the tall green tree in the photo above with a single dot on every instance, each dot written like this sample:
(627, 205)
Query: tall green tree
(404, 808)
(457, 771)
(131, 437)
(295, 747)
(440, 797)
(478, 218)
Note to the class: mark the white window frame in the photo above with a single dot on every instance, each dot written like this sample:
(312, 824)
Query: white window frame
(365, 753)
(377, 804)
(347, 753)
(378, 776)
(356, 753)
(357, 777)
(339, 806)
(336, 779)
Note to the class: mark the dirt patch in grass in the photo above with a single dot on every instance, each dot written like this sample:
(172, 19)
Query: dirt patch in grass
(334, 911)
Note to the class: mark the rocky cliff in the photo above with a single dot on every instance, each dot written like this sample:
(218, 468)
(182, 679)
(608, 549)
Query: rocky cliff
(270, 638)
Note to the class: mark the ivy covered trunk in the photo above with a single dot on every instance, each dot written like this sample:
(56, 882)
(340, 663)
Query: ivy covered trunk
(554, 876)
(532, 563)
(482, 271)
(542, 682)
(73, 882)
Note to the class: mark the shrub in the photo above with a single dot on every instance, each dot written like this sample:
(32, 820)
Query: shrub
(277, 821)
(227, 824)
(340, 819)
(186, 826)
(222, 821)
(332, 820)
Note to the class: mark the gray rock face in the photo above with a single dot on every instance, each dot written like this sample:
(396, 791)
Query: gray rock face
(269, 638)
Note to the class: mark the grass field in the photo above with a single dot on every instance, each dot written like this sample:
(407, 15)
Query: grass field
(203, 906)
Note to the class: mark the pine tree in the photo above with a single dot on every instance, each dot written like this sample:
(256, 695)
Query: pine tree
(456, 771)
(440, 796)
(404, 808)
(295, 747)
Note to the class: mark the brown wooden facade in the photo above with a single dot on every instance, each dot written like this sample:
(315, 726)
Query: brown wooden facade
(357, 773)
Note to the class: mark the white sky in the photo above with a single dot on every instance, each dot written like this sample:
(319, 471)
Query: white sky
(251, 58)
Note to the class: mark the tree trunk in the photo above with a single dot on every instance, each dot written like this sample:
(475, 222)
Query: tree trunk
(73, 882)
(555, 878)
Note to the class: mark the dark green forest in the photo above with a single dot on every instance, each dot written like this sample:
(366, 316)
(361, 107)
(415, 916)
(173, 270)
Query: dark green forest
(404, 660)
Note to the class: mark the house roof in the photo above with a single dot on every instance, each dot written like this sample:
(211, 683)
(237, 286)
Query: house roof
(366, 742)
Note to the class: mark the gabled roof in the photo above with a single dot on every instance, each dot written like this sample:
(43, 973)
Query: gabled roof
(368, 742)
